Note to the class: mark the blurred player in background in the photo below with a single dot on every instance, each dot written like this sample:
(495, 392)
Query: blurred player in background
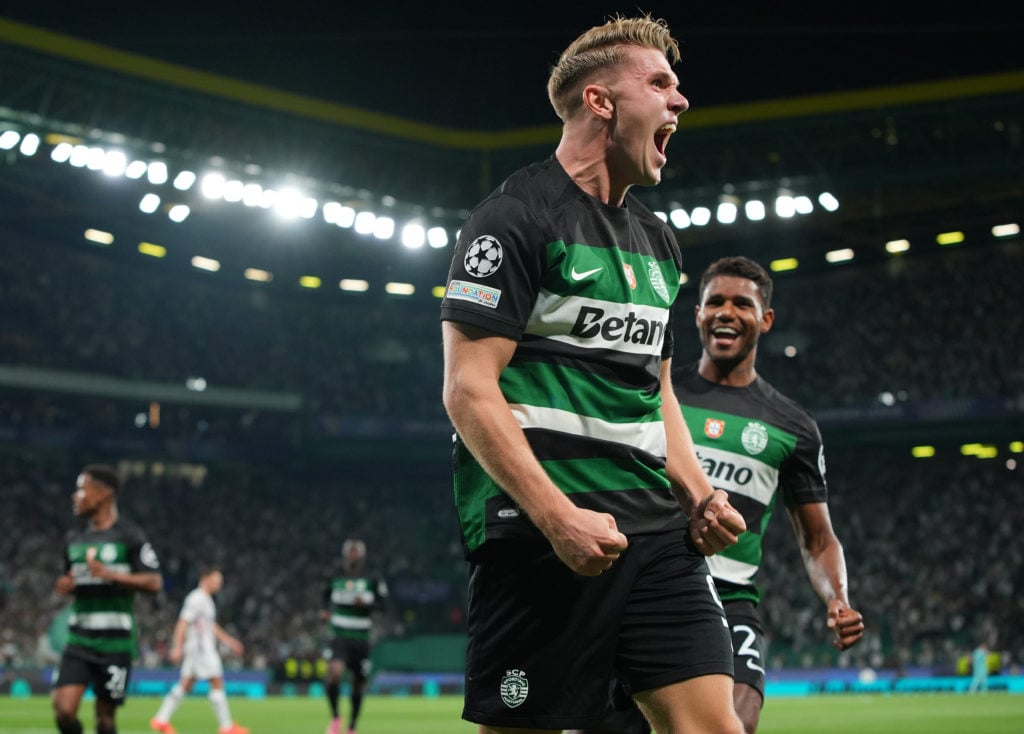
(757, 444)
(351, 600)
(106, 562)
(194, 645)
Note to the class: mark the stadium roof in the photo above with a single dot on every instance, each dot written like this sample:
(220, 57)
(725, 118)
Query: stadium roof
(423, 110)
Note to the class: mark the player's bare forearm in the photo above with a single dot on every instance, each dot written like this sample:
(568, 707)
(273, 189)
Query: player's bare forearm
(144, 581)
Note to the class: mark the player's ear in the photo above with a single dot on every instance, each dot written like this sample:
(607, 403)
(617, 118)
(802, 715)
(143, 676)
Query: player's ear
(767, 319)
(597, 99)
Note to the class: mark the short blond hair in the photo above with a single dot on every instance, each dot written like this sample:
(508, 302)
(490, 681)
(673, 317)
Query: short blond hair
(601, 47)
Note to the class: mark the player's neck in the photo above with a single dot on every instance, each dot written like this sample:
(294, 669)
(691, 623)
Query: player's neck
(104, 518)
(729, 374)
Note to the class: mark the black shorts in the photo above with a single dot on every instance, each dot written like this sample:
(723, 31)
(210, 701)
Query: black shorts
(545, 643)
(107, 674)
(749, 649)
(355, 654)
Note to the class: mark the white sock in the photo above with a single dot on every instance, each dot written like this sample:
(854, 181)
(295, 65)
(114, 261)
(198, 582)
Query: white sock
(219, 701)
(170, 703)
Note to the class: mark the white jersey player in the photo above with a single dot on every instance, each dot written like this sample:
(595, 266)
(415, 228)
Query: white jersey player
(196, 635)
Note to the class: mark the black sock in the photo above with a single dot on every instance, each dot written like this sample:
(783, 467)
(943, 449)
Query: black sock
(333, 691)
(71, 727)
(357, 701)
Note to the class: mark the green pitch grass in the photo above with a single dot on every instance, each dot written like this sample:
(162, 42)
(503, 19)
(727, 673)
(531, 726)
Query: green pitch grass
(992, 713)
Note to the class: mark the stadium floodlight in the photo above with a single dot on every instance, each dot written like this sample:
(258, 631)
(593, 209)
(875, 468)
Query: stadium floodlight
(292, 203)
(727, 209)
(184, 180)
(437, 237)
(400, 289)
(839, 256)
(922, 452)
(438, 291)
(115, 163)
(755, 210)
(331, 211)
(135, 170)
(684, 279)
(783, 264)
(802, 204)
(212, 186)
(700, 216)
(785, 207)
(29, 145)
(233, 190)
(1006, 230)
(258, 275)
(61, 152)
(99, 237)
(179, 213)
(950, 238)
(79, 156)
(364, 222)
(94, 158)
(309, 281)
(354, 285)
(790, 351)
(268, 198)
(252, 193)
(384, 228)
(828, 201)
(9, 139)
(148, 248)
(679, 218)
(205, 263)
(157, 173)
(662, 216)
(894, 247)
(414, 236)
(150, 203)
(198, 384)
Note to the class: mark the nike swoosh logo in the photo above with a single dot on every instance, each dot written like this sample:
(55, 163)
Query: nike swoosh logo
(584, 274)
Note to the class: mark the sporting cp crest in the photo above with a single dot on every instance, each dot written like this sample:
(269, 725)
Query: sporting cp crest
(754, 438)
(714, 428)
(514, 688)
(630, 275)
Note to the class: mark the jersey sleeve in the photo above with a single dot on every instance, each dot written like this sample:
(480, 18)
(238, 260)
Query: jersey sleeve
(190, 609)
(143, 557)
(496, 268)
(802, 476)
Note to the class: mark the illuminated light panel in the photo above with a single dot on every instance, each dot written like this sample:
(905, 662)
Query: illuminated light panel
(437, 237)
(354, 285)
(252, 194)
(1006, 230)
(309, 281)
(922, 452)
(803, 205)
(150, 203)
(364, 222)
(212, 186)
(94, 158)
(61, 139)
(184, 180)
(679, 218)
(157, 173)
(785, 206)
(828, 201)
(438, 291)
(8, 139)
(29, 145)
(135, 170)
(783, 264)
(115, 163)
(384, 228)
(894, 247)
(234, 190)
(662, 216)
(148, 248)
(979, 450)
(755, 210)
(61, 152)
(839, 256)
(726, 213)
(700, 216)
(179, 212)
(261, 276)
(400, 289)
(414, 236)
(950, 238)
(205, 263)
(99, 236)
(1017, 447)
(684, 279)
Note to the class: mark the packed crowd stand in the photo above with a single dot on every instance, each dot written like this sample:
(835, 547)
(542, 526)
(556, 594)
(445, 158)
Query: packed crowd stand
(935, 561)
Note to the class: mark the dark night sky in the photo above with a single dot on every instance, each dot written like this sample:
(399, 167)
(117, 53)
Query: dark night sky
(484, 66)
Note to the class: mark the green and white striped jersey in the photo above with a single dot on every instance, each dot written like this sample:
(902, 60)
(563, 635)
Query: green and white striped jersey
(754, 443)
(586, 290)
(351, 601)
(102, 620)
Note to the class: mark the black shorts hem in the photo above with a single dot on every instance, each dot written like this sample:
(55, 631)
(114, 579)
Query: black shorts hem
(557, 722)
(723, 667)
